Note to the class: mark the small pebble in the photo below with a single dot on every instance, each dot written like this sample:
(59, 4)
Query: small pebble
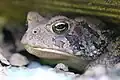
(18, 60)
(61, 66)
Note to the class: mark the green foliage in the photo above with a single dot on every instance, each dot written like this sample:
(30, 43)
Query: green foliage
(16, 10)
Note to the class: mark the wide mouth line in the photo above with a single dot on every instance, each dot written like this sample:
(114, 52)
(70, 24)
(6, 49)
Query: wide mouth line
(52, 51)
(49, 50)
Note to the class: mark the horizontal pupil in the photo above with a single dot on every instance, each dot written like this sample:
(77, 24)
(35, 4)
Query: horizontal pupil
(60, 26)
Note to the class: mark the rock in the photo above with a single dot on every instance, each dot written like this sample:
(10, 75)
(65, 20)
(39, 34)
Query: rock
(2, 58)
(0, 65)
(18, 60)
(61, 67)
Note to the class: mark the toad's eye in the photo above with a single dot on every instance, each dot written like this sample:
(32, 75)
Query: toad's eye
(60, 27)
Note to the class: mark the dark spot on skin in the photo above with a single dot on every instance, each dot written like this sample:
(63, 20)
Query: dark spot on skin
(78, 30)
(72, 39)
(96, 45)
(74, 42)
(35, 31)
(91, 30)
(82, 38)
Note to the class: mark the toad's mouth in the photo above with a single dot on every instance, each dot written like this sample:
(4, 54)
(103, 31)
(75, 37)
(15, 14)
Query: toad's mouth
(47, 53)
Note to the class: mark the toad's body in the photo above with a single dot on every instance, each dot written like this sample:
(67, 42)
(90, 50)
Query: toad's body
(75, 42)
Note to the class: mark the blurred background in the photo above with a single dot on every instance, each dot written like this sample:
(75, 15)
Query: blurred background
(14, 11)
